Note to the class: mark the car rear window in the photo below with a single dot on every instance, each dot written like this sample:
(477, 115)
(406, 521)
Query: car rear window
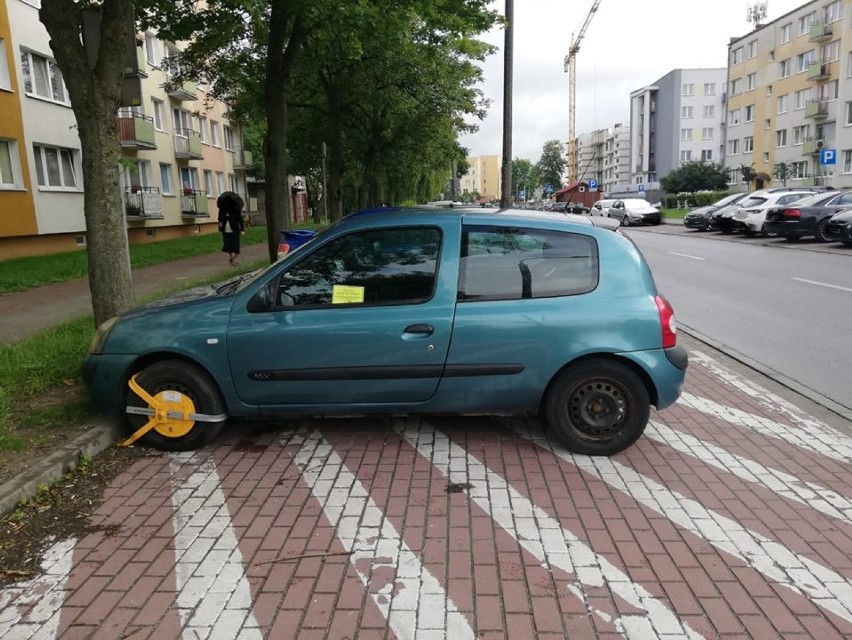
(752, 202)
(509, 263)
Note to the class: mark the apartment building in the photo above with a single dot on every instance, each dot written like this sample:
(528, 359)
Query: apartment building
(604, 156)
(180, 148)
(483, 177)
(790, 99)
(676, 119)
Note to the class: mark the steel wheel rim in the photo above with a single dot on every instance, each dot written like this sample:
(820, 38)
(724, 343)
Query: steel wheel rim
(597, 409)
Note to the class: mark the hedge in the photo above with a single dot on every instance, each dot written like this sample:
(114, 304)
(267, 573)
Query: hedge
(689, 200)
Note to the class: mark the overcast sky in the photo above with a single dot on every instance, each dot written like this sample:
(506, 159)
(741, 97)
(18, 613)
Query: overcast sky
(628, 45)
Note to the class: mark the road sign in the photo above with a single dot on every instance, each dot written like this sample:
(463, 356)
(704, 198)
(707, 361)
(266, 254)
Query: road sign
(548, 188)
(641, 188)
(593, 185)
(828, 156)
(522, 194)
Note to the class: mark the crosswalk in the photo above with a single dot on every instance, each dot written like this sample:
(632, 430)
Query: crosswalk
(731, 516)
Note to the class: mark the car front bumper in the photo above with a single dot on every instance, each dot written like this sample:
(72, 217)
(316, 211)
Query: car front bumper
(104, 376)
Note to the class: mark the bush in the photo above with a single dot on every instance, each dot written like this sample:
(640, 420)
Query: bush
(700, 199)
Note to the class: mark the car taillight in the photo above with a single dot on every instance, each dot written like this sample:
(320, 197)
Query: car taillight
(792, 213)
(283, 249)
(667, 320)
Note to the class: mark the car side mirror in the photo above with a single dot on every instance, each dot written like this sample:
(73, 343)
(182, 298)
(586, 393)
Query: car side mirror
(262, 300)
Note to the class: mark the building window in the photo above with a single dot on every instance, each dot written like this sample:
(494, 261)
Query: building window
(709, 88)
(42, 78)
(803, 61)
(182, 122)
(229, 137)
(736, 86)
(214, 135)
(9, 171)
(767, 124)
(208, 183)
(806, 22)
(55, 167)
(828, 91)
(749, 113)
(202, 130)
(748, 144)
(787, 32)
(801, 98)
(686, 112)
(707, 133)
(220, 182)
(232, 179)
(781, 138)
(752, 49)
(800, 170)
(833, 11)
(847, 161)
(751, 81)
(733, 147)
(686, 134)
(153, 50)
(688, 90)
(709, 111)
(848, 113)
(784, 68)
(734, 117)
(782, 103)
(685, 156)
(831, 51)
(5, 78)
(737, 55)
(166, 179)
(159, 114)
(765, 157)
(800, 134)
(706, 155)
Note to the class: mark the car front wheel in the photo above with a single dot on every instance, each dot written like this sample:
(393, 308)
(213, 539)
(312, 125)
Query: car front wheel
(597, 407)
(182, 388)
(820, 232)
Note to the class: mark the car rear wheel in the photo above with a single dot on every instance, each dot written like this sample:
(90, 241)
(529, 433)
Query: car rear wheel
(625, 221)
(182, 387)
(819, 234)
(597, 407)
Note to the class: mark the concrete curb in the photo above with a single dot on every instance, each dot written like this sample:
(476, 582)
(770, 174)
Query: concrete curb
(50, 469)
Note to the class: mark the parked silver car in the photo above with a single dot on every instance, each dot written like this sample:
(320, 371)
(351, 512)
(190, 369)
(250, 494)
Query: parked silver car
(634, 211)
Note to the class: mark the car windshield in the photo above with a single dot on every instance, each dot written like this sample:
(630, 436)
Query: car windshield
(815, 199)
(727, 200)
(752, 202)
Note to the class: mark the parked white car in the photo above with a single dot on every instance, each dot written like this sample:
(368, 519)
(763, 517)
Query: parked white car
(601, 207)
(750, 216)
(634, 211)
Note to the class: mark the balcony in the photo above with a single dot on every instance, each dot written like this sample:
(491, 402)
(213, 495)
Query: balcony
(188, 145)
(193, 204)
(812, 146)
(819, 70)
(142, 203)
(182, 92)
(817, 109)
(820, 32)
(136, 131)
(243, 159)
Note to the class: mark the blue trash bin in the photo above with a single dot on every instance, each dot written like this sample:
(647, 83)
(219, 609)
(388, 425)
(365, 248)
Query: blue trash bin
(292, 239)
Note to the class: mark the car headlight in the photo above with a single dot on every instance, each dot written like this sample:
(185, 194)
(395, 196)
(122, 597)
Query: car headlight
(101, 335)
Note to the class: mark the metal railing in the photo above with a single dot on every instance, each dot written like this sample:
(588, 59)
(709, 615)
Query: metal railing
(193, 203)
(142, 202)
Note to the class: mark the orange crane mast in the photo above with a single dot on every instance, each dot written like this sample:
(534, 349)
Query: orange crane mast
(570, 68)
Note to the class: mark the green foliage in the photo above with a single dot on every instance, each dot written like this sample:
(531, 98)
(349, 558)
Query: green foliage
(783, 171)
(700, 199)
(747, 173)
(551, 165)
(695, 176)
(525, 175)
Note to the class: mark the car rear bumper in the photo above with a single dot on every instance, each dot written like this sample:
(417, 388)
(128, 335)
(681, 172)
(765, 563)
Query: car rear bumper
(666, 369)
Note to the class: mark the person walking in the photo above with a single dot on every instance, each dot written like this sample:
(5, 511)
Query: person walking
(231, 224)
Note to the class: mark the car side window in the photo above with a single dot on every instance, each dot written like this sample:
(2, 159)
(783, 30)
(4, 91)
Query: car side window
(376, 266)
(846, 198)
(508, 263)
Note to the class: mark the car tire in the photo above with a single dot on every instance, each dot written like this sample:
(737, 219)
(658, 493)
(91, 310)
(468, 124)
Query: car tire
(597, 407)
(196, 387)
(625, 221)
(819, 234)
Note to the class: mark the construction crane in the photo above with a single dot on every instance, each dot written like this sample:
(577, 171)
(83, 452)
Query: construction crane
(570, 67)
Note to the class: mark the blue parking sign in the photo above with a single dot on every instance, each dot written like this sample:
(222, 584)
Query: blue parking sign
(828, 156)
(593, 184)
(641, 188)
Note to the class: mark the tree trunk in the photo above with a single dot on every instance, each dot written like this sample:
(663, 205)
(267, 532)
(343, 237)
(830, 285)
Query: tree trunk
(283, 46)
(335, 168)
(93, 74)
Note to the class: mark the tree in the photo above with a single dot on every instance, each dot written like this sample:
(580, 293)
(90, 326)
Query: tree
(695, 176)
(783, 171)
(525, 175)
(93, 71)
(747, 173)
(551, 165)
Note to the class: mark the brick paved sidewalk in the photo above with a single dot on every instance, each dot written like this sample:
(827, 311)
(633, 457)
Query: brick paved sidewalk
(731, 518)
(26, 313)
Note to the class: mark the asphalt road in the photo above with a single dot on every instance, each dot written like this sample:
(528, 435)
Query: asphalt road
(785, 309)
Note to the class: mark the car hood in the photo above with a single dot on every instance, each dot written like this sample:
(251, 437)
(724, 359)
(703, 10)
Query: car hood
(190, 297)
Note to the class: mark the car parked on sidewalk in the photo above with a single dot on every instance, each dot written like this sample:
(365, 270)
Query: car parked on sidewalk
(808, 216)
(699, 219)
(408, 311)
(751, 213)
(570, 207)
(634, 211)
(601, 207)
(839, 228)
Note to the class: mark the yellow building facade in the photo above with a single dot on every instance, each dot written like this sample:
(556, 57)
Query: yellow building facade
(483, 177)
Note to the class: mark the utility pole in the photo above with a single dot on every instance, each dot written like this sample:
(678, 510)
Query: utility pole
(506, 187)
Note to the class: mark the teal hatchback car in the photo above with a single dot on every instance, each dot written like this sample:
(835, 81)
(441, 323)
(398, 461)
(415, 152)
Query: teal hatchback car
(408, 311)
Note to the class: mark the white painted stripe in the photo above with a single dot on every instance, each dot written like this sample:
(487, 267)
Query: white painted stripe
(686, 255)
(823, 284)
(413, 601)
(543, 537)
(41, 598)
(766, 398)
(779, 482)
(824, 442)
(824, 587)
(213, 593)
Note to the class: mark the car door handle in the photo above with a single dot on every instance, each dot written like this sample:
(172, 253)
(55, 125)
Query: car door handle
(426, 329)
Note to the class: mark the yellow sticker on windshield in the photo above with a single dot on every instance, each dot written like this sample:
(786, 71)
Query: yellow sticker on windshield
(343, 294)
